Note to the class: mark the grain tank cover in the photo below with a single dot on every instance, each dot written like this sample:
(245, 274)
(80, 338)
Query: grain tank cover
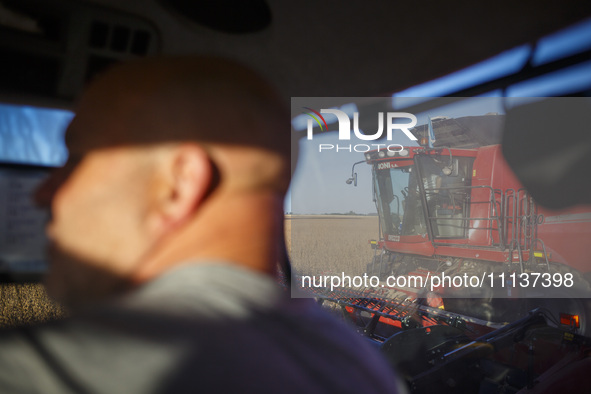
(466, 132)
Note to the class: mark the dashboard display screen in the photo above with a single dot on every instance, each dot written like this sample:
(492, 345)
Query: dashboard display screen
(22, 223)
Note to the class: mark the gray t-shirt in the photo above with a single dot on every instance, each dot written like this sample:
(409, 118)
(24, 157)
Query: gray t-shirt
(199, 328)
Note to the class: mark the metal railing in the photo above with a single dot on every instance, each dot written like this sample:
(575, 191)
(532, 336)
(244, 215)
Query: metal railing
(510, 222)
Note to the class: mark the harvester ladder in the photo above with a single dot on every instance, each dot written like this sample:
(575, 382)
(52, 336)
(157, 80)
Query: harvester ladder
(520, 224)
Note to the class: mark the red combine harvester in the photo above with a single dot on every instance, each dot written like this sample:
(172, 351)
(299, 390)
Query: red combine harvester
(458, 218)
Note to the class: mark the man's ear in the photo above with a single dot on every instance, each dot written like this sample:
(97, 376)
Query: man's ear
(188, 174)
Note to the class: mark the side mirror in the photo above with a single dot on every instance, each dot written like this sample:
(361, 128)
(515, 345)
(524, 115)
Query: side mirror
(352, 180)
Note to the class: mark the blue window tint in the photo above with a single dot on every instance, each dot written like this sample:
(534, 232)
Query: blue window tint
(499, 66)
(33, 135)
(572, 40)
(575, 79)
(558, 83)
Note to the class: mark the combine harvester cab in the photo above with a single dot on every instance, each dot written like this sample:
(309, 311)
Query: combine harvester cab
(502, 304)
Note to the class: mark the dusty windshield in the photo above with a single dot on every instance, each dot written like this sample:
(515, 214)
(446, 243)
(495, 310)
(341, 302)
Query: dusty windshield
(399, 202)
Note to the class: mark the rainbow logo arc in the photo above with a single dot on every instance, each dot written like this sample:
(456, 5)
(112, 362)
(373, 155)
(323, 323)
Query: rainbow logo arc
(315, 117)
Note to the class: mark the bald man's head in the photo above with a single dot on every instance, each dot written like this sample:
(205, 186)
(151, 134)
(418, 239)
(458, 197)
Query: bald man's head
(171, 159)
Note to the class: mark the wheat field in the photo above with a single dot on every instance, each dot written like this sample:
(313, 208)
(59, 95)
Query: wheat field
(330, 244)
(24, 304)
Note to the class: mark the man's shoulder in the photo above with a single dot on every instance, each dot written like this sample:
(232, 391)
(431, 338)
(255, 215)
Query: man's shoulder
(251, 325)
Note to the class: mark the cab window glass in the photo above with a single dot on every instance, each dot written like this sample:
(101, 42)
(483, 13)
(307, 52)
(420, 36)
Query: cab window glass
(33, 135)
(446, 181)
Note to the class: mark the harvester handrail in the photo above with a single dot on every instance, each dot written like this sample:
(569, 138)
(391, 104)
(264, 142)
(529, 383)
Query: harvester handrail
(509, 210)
